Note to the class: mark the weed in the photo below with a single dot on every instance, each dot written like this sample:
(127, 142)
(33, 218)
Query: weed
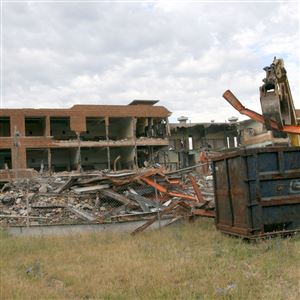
(191, 261)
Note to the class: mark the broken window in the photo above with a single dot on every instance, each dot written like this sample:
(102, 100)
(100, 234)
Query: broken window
(122, 158)
(144, 156)
(150, 155)
(4, 126)
(94, 158)
(142, 125)
(120, 128)
(95, 129)
(5, 158)
(60, 128)
(64, 159)
(159, 128)
(35, 126)
(172, 145)
(37, 159)
(151, 127)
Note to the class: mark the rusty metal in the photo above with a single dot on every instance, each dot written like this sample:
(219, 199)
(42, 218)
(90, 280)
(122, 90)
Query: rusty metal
(196, 189)
(175, 181)
(164, 190)
(154, 184)
(257, 191)
(181, 195)
(270, 106)
(231, 98)
(167, 210)
(204, 213)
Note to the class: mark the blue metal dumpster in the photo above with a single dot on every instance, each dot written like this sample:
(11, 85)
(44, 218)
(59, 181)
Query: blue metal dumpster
(257, 191)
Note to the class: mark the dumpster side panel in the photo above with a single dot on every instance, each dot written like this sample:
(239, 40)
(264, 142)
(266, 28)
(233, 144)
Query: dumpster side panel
(258, 190)
(224, 213)
(238, 191)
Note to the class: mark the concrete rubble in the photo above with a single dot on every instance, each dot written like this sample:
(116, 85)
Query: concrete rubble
(101, 197)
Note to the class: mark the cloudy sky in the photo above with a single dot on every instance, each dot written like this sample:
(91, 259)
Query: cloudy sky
(186, 54)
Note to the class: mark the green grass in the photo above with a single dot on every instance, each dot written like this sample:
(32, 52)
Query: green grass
(191, 261)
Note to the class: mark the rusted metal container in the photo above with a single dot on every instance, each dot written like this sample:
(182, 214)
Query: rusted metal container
(257, 191)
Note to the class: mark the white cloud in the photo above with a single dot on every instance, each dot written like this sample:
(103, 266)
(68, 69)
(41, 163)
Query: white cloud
(185, 54)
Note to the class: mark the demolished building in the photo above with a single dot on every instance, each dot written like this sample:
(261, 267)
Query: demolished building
(86, 137)
(187, 140)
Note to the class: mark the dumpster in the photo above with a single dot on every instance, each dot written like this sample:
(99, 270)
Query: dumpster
(257, 191)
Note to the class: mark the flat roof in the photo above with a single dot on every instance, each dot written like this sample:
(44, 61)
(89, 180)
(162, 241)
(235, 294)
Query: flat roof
(92, 111)
(143, 102)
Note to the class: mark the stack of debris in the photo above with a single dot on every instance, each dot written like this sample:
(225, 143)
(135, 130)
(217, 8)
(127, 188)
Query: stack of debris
(68, 198)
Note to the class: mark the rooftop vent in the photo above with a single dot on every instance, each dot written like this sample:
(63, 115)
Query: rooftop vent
(233, 119)
(182, 119)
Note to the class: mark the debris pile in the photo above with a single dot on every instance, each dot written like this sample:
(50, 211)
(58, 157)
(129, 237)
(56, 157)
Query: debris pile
(69, 198)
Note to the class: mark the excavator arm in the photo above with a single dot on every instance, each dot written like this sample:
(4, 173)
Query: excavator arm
(278, 111)
(231, 98)
(276, 97)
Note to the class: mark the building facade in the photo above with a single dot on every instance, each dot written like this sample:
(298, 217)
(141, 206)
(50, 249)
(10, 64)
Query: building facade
(187, 140)
(84, 137)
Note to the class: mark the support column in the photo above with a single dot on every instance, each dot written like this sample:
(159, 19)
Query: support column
(168, 131)
(49, 161)
(134, 120)
(18, 153)
(48, 127)
(18, 157)
(107, 141)
(78, 155)
(17, 125)
(151, 130)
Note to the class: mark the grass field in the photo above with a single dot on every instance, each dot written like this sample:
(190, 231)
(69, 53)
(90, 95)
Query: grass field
(191, 261)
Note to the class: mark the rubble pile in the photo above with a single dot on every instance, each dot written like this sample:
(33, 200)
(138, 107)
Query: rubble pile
(70, 198)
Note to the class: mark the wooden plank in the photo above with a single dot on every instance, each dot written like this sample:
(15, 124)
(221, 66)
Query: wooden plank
(114, 211)
(143, 202)
(148, 202)
(116, 196)
(93, 188)
(47, 205)
(143, 205)
(155, 218)
(66, 185)
(133, 217)
(80, 213)
(23, 217)
(83, 181)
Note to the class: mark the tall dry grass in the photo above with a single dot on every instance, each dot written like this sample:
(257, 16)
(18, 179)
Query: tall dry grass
(191, 261)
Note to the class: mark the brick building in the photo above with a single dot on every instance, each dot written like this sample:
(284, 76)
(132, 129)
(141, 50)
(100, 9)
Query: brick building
(84, 136)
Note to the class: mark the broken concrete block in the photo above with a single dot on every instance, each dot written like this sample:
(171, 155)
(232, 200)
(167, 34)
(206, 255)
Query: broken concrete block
(8, 199)
(43, 189)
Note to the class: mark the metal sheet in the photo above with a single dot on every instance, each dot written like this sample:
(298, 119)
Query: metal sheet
(258, 190)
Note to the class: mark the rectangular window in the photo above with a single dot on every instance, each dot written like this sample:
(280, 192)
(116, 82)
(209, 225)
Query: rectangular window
(5, 126)
(191, 145)
(35, 126)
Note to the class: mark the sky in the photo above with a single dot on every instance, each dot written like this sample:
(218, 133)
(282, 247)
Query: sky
(55, 54)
